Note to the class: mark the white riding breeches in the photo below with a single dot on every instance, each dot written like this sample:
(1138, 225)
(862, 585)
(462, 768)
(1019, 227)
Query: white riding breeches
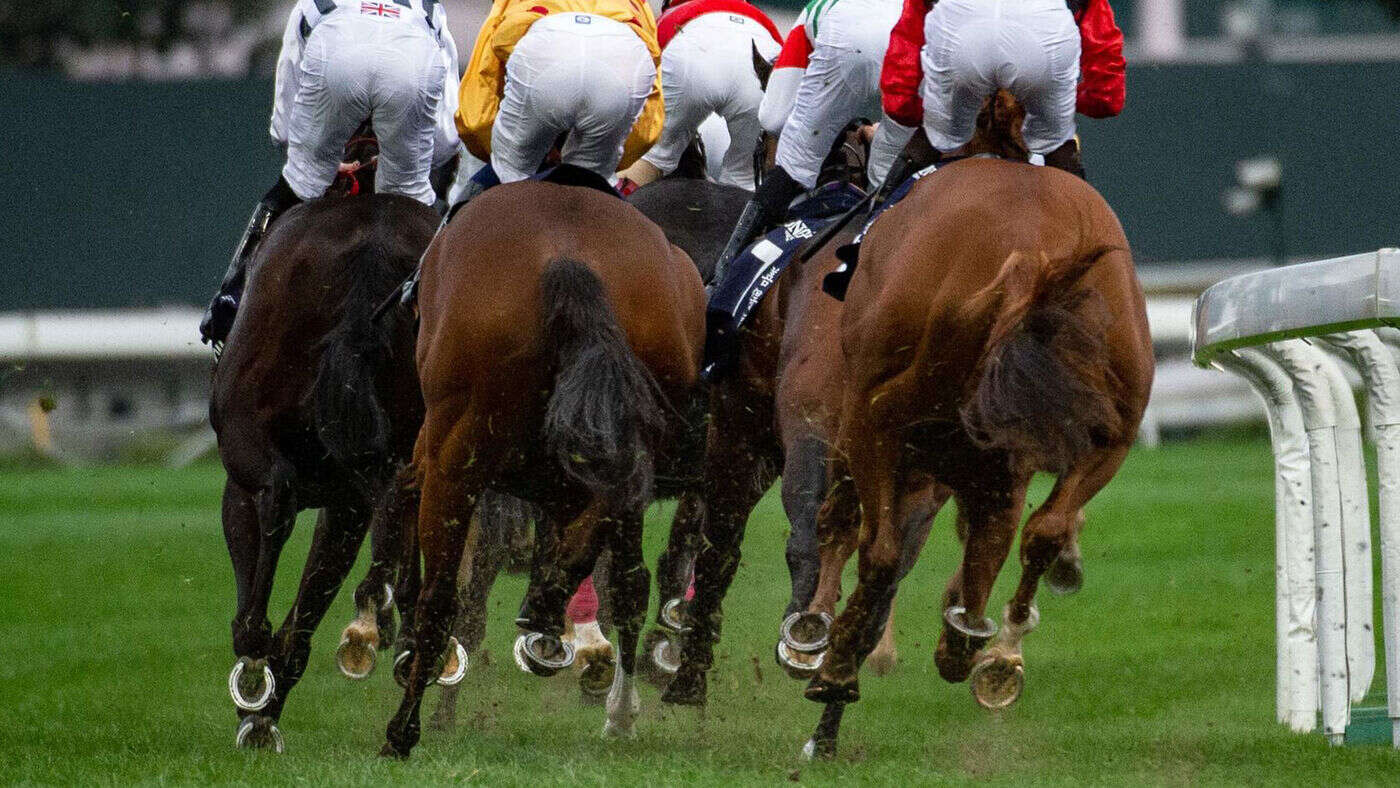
(842, 83)
(356, 67)
(583, 74)
(975, 47)
(707, 68)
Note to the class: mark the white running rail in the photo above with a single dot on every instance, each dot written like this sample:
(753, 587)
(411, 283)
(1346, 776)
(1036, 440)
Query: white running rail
(1270, 328)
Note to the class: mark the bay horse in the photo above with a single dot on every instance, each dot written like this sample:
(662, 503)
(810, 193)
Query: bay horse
(994, 328)
(557, 326)
(315, 406)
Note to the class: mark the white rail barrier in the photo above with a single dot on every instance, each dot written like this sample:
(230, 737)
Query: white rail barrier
(1265, 327)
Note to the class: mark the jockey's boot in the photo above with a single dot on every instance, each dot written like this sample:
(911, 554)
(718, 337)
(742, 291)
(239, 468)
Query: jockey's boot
(765, 209)
(218, 317)
(1066, 157)
(918, 154)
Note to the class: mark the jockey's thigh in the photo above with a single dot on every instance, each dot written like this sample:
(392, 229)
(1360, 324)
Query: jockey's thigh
(1044, 53)
(1029, 47)
(842, 83)
(332, 100)
(707, 68)
(405, 95)
(581, 73)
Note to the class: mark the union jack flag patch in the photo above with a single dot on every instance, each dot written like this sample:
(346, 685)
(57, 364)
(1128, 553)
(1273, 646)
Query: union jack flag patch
(379, 9)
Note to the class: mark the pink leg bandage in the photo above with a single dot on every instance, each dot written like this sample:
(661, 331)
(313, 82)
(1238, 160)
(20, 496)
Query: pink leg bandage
(583, 607)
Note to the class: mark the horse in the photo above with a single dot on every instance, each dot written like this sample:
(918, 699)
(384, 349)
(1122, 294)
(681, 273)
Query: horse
(553, 340)
(994, 328)
(780, 411)
(315, 406)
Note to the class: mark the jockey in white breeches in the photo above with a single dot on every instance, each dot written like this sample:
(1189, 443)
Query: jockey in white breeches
(837, 47)
(344, 62)
(834, 55)
(707, 68)
(585, 70)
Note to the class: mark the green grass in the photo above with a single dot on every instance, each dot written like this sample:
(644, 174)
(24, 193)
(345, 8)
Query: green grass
(116, 594)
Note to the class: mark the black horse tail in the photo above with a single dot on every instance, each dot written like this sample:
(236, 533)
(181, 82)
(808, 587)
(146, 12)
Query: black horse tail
(605, 409)
(1045, 392)
(350, 420)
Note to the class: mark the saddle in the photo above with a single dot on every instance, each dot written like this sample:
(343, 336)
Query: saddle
(571, 175)
(759, 266)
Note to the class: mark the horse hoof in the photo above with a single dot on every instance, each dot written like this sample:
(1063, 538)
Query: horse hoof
(403, 665)
(256, 732)
(687, 688)
(259, 685)
(388, 604)
(956, 618)
(809, 750)
(797, 664)
(827, 691)
(996, 682)
(806, 632)
(666, 656)
(390, 751)
(1066, 574)
(454, 664)
(355, 658)
(541, 654)
(672, 616)
(596, 679)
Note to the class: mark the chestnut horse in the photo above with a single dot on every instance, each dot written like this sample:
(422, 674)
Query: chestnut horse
(557, 326)
(994, 328)
(314, 406)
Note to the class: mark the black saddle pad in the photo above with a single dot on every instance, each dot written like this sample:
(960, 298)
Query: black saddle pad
(570, 175)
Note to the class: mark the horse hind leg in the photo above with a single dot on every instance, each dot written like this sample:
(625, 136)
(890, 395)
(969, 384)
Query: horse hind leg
(339, 532)
(445, 512)
(993, 509)
(999, 675)
(1066, 572)
(630, 583)
(252, 684)
(885, 657)
(372, 629)
(481, 564)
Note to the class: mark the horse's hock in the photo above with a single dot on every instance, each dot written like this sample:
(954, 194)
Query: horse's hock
(1299, 335)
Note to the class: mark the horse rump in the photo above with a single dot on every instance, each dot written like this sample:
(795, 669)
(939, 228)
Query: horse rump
(350, 420)
(605, 409)
(1045, 388)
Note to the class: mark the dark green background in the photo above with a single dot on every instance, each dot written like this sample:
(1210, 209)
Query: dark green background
(133, 194)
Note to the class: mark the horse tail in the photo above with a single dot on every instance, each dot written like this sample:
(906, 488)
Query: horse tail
(605, 407)
(1045, 391)
(350, 420)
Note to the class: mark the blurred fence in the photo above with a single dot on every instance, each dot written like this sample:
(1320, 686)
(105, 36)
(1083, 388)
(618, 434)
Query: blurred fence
(132, 194)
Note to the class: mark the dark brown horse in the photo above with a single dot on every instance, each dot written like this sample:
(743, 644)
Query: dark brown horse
(315, 406)
(994, 328)
(558, 324)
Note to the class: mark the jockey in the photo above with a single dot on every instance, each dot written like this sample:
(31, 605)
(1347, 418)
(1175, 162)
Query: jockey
(1053, 56)
(838, 47)
(542, 69)
(340, 64)
(707, 68)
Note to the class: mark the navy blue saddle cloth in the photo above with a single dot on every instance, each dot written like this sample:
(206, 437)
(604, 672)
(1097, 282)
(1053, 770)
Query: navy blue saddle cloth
(753, 272)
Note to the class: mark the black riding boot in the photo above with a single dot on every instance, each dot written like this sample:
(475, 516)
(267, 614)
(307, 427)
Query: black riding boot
(218, 317)
(918, 154)
(767, 208)
(1066, 157)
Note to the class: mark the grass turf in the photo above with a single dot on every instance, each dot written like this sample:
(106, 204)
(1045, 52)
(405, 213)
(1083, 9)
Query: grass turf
(116, 595)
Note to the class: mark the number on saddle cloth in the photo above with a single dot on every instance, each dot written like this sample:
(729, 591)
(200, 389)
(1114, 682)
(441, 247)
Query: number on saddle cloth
(753, 272)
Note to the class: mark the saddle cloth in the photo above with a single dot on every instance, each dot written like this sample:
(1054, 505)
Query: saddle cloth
(753, 272)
